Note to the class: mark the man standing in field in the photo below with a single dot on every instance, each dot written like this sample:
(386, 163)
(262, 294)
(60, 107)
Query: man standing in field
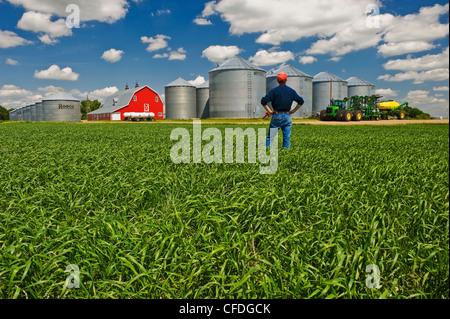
(282, 98)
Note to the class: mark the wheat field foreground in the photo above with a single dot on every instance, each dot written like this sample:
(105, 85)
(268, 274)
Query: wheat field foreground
(108, 199)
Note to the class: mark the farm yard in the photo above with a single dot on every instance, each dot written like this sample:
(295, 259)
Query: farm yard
(108, 199)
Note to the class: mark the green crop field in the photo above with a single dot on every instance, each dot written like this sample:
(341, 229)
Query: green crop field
(108, 199)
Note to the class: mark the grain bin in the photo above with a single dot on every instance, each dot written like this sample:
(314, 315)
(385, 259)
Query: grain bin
(27, 113)
(300, 82)
(19, 114)
(61, 107)
(33, 112)
(11, 115)
(203, 100)
(39, 111)
(360, 87)
(180, 100)
(235, 90)
(327, 86)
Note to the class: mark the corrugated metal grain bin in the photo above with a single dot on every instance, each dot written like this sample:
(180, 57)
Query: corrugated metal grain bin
(27, 113)
(61, 107)
(203, 100)
(39, 111)
(236, 88)
(33, 112)
(180, 100)
(19, 116)
(327, 86)
(360, 87)
(300, 82)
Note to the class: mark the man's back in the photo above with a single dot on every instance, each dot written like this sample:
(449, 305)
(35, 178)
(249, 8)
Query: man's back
(282, 98)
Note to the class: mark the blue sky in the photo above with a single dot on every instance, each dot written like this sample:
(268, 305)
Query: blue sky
(402, 47)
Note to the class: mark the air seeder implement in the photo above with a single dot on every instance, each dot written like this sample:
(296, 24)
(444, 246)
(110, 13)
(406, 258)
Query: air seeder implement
(359, 108)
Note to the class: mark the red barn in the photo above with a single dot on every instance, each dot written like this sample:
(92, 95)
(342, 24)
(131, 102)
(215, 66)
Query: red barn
(138, 100)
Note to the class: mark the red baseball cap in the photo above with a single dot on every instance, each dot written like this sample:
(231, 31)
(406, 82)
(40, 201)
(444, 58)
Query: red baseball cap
(282, 77)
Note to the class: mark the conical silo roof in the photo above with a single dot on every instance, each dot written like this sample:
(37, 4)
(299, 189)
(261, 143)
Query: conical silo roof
(237, 63)
(327, 77)
(180, 82)
(60, 96)
(356, 81)
(204, 85)
(289, 70)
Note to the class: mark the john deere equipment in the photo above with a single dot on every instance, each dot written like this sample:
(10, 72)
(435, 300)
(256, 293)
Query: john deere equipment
(359, 108)
(391, 108)
(339, 111)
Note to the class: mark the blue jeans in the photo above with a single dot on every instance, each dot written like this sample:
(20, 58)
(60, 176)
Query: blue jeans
(283, 122)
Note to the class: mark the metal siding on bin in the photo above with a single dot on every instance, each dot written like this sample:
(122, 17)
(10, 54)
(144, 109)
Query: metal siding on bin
(39, 111)
(61, 107)
(27, 113)
(361, 91)
(33, 112)
(180, 100)
(203, 101)
(360, 87)
(321, 90)
(236, 89)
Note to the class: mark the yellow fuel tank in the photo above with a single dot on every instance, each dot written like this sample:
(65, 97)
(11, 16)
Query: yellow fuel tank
(389, 105)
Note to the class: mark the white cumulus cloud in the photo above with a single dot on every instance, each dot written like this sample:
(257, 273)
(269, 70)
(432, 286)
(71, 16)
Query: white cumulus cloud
(41, 23)
(9, 39)
(219, 53)
(199, 80)
(112, 55)
(156, 43)
(441, 89)
(386, 92)
(307, 59)
(10, 61)
(427, 62)
(265, 58)
(108, 11)
(54, 72)
(417, 77)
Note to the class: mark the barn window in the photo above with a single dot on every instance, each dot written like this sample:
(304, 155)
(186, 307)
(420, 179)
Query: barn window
(160, 114)
(156, 99)
(135, 98)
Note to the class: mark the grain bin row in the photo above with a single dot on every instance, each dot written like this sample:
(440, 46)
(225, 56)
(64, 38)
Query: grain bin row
(235, 89)
(60, 107)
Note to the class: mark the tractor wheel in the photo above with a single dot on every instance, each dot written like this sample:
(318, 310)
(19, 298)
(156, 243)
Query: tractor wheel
(338, 116)
(357, 116)
(401, 115)
(346, 116)
(323, 115)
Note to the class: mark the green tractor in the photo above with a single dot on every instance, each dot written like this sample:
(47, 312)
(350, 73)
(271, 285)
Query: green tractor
(339, 110)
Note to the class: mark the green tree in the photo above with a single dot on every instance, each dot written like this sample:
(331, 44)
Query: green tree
(88, 106)
(4, 114)
(415, 113)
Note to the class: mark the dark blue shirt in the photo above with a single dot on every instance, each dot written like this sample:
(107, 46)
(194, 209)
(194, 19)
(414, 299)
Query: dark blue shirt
(282, 98)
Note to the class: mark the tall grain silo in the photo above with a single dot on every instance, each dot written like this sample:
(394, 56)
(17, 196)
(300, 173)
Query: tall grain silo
(236, 88)
(27, 113)
(11, 115)
(180, 100)
(61, 107)
(300, 82)
(327, 86)
(203, 100)
(33, 112)
(360, 87)
(39, 111)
